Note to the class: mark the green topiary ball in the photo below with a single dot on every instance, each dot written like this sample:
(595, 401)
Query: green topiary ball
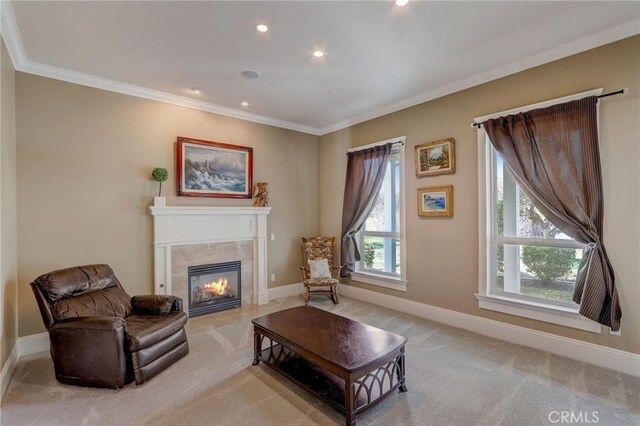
(159, 174)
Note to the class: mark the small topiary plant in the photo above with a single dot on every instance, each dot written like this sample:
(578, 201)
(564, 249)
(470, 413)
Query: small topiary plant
(160, 174)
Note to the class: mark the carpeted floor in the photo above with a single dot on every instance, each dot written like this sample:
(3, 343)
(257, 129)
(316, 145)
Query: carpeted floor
(454, 377)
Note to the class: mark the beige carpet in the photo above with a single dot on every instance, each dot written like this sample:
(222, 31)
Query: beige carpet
(454, 377)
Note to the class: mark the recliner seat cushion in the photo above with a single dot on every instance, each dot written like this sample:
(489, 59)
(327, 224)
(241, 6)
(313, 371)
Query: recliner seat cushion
(110, 302)
(75, 281)
(145, 330)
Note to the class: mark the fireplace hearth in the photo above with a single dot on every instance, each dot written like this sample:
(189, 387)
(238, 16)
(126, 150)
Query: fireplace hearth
(214, 287)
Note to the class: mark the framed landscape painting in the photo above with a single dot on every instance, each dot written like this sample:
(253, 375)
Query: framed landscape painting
(212, 169)
(436, 158)
(435, 201)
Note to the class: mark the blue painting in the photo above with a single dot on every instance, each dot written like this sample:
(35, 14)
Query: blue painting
(217, 170)
(435, 201)
(212, 169)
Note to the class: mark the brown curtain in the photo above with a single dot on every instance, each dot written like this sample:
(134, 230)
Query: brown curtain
(553, 154)
(365, 174)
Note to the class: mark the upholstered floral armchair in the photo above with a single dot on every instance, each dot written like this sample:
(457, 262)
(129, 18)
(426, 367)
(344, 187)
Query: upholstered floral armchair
(319, 275)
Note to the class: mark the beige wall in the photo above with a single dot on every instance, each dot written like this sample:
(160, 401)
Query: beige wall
(442, 253)
(8, 218)
(84, 157)
(84, 163)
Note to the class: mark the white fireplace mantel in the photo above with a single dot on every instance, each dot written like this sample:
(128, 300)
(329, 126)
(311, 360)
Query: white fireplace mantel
(181, 225)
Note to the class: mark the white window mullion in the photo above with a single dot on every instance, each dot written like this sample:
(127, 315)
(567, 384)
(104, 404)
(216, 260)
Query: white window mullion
(511, 220)
(389, 214)
(381, 234)
(558, 243)
(486, 213)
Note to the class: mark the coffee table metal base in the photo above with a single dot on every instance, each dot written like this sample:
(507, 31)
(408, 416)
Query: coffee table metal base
(351, 393)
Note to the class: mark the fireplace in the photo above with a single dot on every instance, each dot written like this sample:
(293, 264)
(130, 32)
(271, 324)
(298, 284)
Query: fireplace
(215, 287)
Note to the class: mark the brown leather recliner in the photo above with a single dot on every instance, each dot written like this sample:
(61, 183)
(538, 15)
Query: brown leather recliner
(102, 337)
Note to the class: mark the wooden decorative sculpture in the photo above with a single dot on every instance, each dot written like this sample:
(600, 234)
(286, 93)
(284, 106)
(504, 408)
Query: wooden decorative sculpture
(260, 199)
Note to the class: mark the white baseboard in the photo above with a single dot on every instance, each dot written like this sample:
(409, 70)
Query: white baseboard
(26, 345)
(286, 291)
(8, 369)
(602, 356)
(33, 344)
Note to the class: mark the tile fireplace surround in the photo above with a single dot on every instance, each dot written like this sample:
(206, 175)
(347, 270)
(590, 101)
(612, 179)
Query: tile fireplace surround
(186, 236)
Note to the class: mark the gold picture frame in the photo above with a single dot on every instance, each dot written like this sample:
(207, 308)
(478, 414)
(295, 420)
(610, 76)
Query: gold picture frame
(436, 158)
(435, 201)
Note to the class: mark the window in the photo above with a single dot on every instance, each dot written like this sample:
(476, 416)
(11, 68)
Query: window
(381, 240)
(529, 265)
(531, 258)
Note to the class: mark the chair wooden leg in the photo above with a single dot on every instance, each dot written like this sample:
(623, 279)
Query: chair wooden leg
(334, 294)
(306, 295)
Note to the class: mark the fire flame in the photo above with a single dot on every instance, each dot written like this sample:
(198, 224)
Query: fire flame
(217, 287)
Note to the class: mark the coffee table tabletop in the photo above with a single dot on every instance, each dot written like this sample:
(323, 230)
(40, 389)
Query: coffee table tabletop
(316, 330)
(348, 364)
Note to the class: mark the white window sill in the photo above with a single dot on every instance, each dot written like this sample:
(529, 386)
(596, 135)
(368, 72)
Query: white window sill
(560, 315)
(380, 280)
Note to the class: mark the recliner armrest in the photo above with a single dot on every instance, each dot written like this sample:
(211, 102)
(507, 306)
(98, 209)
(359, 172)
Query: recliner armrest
(90, 351)
(155, 304)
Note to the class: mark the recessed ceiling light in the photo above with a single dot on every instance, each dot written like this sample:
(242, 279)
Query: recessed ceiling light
(262, 28)
(318, 53)
(401, 2)
(196, 90)
(250, 74)
(245, 103)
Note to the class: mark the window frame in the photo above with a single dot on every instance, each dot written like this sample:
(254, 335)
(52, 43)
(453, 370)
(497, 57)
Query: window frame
(382, 278)
(560, 313)
(497, 240)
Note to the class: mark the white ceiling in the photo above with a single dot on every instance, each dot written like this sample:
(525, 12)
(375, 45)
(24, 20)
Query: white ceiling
(379, 57)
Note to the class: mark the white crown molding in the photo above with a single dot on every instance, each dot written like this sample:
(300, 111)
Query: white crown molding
(21, 63)
(602, 356)
(610, 35)
(10, 34)
(156, 95)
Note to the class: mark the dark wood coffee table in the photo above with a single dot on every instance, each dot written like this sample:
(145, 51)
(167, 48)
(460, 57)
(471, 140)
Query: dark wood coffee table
(346, 363)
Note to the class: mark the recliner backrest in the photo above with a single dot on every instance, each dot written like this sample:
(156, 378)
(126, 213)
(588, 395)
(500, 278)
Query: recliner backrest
(81, 291)
(76, 281)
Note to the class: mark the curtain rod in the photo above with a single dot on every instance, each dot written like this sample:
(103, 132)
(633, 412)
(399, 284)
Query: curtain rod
(400, 139)
(617, 92)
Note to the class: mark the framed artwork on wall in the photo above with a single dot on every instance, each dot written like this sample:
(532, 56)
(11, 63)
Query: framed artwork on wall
(436, 158)
(213, 169)
(435, 201)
